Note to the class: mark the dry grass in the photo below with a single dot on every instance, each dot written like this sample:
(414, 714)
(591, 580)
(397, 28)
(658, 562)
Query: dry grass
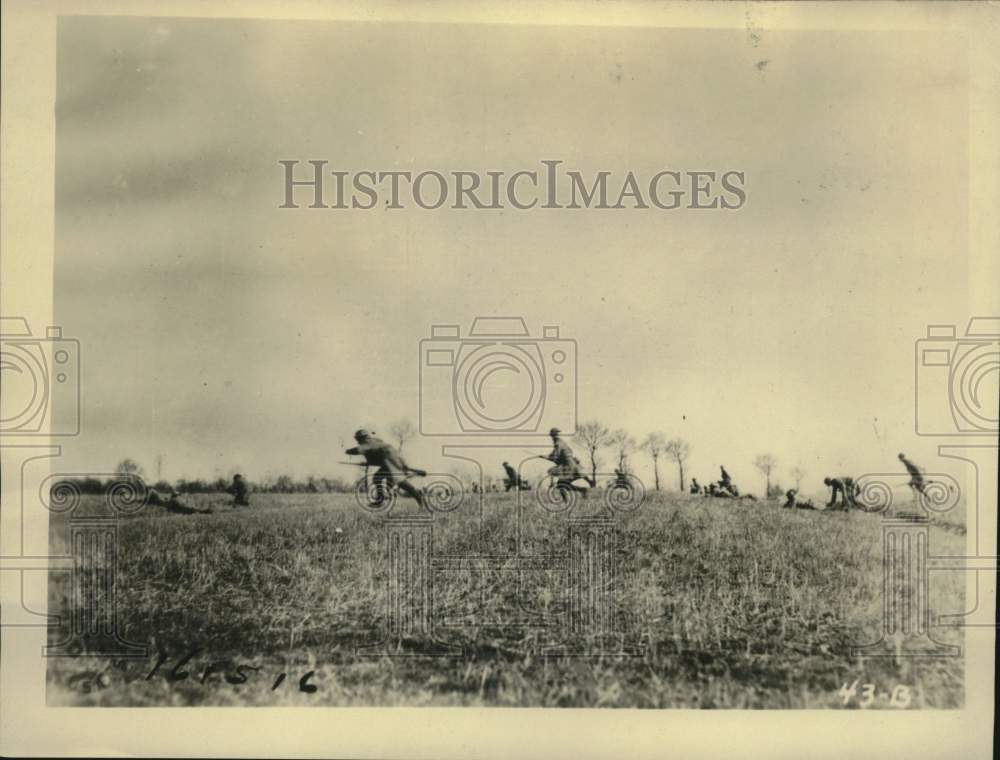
(738, 605)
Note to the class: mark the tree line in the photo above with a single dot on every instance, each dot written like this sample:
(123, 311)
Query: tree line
(268, 484)
(595, 436)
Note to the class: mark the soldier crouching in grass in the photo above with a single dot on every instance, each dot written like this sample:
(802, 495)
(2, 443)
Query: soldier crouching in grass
(392, 470)
(793, 502)
(240, 491)
(846, 488)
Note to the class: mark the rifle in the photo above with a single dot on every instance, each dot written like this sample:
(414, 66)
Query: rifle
(359, 464)
(536, 456)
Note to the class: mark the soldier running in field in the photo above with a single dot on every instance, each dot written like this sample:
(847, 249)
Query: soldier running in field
(393, 471)
(513, 480)
(917, 482)
(567, 468)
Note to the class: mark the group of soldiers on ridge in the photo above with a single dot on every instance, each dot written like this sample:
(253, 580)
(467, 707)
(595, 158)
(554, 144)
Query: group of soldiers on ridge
(393, 472)
(723, 488)
(567, 472)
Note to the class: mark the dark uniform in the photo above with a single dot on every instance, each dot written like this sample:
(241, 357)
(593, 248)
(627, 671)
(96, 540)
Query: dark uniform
(695, 488)
(916, 477)
(726, 481)
(845, 487)
(621, 479)
(794, 503)
(392, 470)
(567, 467)
(726, 486)
(513, 480)
(240, 491)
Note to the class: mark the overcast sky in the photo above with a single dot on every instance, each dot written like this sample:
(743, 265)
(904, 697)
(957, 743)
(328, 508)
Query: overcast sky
(222, 333)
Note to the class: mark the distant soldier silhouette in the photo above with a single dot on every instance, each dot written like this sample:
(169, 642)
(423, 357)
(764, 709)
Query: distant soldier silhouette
(719, 492)
(513, 480)
(567, 467)
(725, 481)
(240, 491)
(726, 486)
(917, 482)
(393, 471)
(846, 488)
(793, 502)
(695, 488)
(621, 478)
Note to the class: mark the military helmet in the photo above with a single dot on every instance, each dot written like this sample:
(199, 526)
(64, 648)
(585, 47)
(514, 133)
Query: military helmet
(361, 434)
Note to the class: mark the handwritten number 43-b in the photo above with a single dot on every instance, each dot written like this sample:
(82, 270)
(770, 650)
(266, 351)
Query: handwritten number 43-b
(868, 693)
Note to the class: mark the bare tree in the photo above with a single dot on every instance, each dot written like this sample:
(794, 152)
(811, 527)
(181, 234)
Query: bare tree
(402, 430)
(797, 474)
(623, 444)
(592, 436)
(655, 444)
(679, 450)
(766, 463)
(129, 467)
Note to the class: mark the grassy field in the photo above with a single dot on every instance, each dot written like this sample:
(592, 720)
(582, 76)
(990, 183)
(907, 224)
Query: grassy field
(736, 605)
